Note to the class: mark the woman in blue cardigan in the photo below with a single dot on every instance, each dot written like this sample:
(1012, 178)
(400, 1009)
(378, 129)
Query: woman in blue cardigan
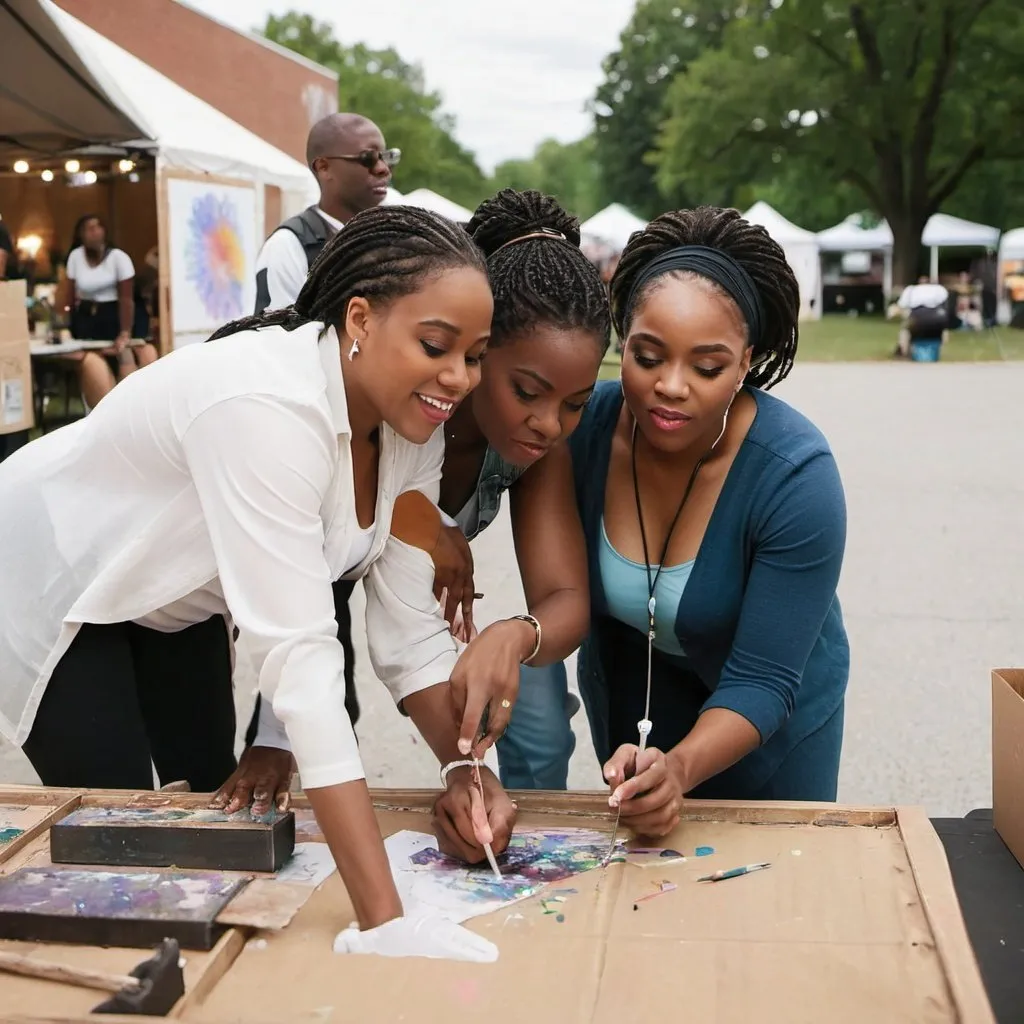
(715, 523)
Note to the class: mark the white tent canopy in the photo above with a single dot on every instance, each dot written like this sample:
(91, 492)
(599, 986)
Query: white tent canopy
(427, 200)
(1011, 245)
(802, 253)
(51, 101)
(188, 132)
(612, 226)
(849, 236)
(944, 230)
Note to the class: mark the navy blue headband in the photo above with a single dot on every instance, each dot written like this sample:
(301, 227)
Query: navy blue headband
(716, 266)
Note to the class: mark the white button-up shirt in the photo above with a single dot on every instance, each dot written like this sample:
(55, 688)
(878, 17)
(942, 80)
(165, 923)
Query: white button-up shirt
(223, 469)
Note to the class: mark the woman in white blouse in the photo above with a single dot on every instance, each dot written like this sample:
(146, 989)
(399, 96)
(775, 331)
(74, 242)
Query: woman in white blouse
(247, 474)
(101, 279)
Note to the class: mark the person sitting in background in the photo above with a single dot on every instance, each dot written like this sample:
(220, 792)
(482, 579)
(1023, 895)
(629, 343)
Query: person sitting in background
(925, 308)
(100, 279)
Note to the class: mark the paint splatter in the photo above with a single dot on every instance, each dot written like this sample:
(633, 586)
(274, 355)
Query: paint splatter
(704, 851)
(796, 853)
(8, 835)
(670, 853)
(560, 918)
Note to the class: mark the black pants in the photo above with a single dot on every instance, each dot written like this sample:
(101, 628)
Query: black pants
(342, 592)
(124, 699)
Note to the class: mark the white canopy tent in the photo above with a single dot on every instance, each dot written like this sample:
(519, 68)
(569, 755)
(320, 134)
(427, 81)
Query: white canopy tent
(802, 253)
(611, 227)
(943, 230)
(850, 236)
(186, 132)
(425, 199)
(1011, 259)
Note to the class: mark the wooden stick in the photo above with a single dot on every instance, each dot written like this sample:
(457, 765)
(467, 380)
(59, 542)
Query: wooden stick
(13, 963)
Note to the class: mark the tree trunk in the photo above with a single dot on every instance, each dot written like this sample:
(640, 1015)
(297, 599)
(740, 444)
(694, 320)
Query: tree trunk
(906, 249)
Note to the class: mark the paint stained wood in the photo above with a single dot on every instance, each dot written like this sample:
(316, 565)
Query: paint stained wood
(183, 837)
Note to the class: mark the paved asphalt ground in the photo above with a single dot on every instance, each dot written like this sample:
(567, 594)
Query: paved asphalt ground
(932, 458)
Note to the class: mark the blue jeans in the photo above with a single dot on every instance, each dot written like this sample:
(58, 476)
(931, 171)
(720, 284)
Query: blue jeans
(535, 750)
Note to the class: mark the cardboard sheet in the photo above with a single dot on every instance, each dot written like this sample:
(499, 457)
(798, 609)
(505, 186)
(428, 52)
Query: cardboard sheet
(1008, 757)
(856, 920)
(836, 922)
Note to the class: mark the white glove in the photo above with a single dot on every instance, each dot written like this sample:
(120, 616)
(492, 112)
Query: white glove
(419, 935)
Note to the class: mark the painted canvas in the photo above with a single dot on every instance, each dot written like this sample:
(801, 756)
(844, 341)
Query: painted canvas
(17, 819)
(427, 877)
(98, 816)
(213, 246)
(114, 907)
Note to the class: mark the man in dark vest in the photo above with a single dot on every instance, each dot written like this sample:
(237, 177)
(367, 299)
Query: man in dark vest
(346, 154)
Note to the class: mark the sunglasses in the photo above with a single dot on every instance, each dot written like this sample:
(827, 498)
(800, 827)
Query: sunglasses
(369, 158)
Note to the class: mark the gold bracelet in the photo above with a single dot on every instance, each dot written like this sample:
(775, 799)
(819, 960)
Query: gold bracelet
(532, 620)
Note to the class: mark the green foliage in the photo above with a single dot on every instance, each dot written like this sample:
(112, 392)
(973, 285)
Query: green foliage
(568, 171)
(898, 99)
(661, 40)
(391, 92)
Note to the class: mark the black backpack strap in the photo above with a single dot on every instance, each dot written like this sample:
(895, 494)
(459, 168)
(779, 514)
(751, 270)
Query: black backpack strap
(313, 234)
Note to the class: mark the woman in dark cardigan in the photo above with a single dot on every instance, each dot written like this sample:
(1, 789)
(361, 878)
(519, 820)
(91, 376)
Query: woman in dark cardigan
(715, 524)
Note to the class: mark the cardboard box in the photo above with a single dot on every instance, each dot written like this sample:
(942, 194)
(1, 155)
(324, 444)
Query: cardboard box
(16, 405)
(1008, 757)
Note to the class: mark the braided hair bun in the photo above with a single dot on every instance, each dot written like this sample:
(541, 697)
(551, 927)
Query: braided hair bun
(752, 248)
(511, 214)
(540, 281)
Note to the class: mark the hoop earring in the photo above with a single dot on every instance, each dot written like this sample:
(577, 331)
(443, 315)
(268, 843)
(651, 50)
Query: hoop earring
(354, 350)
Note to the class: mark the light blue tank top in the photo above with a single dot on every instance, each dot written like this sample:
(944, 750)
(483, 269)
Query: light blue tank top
(625, 589)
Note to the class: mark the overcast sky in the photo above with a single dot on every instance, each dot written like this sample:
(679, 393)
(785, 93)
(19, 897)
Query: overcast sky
(513, 72)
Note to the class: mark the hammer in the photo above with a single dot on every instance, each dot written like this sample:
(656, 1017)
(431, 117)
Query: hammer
(152, 988)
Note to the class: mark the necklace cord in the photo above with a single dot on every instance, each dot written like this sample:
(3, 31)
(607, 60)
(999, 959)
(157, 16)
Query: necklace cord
(652, 581)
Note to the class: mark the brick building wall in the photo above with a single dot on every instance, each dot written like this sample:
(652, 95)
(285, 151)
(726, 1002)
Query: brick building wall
(276, 95)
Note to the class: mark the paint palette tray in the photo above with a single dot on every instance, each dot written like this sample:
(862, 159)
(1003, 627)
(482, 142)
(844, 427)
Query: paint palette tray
(181, 837)
(111, 908)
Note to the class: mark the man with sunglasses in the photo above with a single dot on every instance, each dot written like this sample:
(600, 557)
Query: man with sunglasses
(346, 154)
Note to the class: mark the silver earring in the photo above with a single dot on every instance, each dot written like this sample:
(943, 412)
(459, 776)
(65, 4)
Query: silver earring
(354, 350)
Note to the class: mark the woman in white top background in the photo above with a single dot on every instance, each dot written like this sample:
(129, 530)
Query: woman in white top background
(101, 279)
(249, 473)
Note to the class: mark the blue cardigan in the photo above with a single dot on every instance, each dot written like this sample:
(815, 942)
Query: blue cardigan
(759, 619)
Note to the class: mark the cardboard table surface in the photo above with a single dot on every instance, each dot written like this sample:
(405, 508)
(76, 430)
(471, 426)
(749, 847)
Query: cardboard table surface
(856, 920)
(990, 886)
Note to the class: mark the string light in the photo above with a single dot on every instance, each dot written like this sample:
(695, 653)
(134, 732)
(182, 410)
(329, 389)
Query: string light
(21, 167)
(89, 177)
(72, 167)
(124, 166)
(47, 175)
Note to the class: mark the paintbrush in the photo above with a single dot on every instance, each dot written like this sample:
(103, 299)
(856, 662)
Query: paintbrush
(719, 876)
(487, 846)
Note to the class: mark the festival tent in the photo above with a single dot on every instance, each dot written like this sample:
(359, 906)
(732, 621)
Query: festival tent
(425, 199)
(50, 100)
(612, 227)
(943, 231)
(850, 236)
(802, 254)
(213, 177)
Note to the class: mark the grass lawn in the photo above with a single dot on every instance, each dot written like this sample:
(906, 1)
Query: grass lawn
(845, 339)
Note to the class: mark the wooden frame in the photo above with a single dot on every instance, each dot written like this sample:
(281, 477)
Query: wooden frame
(61, 801)
(924, 852)
(163, 176)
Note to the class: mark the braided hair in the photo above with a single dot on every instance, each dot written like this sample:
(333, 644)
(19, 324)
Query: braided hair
(538, 281)
(381, 254)
(752, 248)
